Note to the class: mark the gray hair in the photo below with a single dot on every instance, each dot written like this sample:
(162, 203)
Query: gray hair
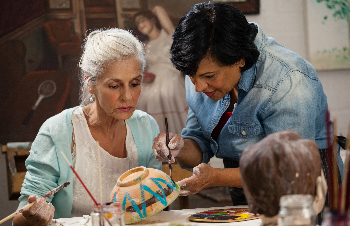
(101, 47)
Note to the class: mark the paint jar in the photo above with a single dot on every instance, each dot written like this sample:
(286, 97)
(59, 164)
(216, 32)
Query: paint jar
(296, 210)
(107, 215)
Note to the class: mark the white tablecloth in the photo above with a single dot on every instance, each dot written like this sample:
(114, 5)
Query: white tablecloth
(165, 218)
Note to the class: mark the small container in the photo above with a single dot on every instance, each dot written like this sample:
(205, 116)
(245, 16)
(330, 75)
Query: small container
(296, 210)
(107, 215)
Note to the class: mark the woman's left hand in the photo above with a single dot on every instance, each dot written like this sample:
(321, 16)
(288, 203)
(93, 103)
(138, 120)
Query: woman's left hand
(202, 178)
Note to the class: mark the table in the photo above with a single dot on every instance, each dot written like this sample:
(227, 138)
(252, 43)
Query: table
(166, 218)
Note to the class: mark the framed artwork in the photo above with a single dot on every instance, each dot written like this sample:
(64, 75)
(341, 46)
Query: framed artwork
(182, 6)
(60, 4)
(246, 6)
(131, 4)
(328, 34)
(177, 8)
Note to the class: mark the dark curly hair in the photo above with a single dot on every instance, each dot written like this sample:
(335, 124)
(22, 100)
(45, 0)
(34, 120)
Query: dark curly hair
(218, 30)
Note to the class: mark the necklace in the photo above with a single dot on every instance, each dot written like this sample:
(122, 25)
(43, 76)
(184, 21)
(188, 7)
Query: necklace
(86, 111)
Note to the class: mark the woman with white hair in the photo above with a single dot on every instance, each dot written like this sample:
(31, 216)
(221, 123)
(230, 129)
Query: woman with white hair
(112, 67)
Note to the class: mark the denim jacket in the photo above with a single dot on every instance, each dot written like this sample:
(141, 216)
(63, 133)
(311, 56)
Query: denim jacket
(280, 91)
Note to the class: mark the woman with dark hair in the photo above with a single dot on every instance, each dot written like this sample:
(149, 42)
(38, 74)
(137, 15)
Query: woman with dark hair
(241, 86)
(163, 96)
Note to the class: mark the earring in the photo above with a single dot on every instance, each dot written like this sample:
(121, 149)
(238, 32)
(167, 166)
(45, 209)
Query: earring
(242, 63)
(91, 99)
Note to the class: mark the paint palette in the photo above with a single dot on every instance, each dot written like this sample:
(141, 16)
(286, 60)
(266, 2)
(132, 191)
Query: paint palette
(224, 215)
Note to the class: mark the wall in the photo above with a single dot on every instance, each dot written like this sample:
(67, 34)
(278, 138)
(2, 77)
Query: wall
(285, 21)
(15, 14)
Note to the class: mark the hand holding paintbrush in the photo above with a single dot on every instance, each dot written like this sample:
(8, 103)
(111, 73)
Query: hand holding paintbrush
(41, 206)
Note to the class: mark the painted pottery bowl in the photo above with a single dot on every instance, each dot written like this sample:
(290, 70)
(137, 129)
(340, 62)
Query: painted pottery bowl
(144, 192)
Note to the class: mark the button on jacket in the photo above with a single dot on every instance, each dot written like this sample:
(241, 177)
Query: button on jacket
(280, 91)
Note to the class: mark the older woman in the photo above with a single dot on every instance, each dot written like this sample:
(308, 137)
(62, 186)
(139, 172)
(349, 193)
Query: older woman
(241, 86)
(112, 67)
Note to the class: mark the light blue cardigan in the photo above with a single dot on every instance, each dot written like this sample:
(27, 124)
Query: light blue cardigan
(46, 168)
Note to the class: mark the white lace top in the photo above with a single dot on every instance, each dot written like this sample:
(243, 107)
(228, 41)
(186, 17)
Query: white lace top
(85, 162)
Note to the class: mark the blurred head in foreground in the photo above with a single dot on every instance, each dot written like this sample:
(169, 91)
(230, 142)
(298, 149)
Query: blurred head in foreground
(281, 164)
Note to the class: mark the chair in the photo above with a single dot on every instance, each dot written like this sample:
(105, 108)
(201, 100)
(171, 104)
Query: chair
(16, 155)
(61, 39)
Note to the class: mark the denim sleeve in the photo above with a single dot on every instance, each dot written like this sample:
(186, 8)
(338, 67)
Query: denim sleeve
(194, 132)
(293, 105)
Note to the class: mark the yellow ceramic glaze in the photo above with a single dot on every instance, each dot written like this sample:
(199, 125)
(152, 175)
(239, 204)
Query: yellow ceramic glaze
(144, 192)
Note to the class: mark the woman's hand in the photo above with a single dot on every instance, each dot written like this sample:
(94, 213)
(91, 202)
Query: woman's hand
(160, 150)
(202, 178)
(41, 213)
(164, 19)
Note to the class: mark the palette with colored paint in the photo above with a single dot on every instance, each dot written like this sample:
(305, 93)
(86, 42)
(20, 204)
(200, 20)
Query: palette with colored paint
(224, 215)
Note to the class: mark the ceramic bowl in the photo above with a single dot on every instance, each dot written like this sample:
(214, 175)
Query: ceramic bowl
(144, 192)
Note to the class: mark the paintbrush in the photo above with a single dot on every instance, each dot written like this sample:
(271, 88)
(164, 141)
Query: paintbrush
(329, 160)
(82, 183)
(346, 179)
(76, 174)
(167, 140)
(335, 169)
(26, 207)
(345, 184)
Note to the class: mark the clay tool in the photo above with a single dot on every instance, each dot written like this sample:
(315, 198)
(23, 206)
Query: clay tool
(26, 207)
(167, 140)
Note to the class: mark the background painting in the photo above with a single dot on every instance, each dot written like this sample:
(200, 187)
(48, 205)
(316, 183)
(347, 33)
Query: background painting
(328, 30)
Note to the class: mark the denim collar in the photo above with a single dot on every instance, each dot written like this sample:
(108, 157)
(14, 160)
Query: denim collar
(247, 79)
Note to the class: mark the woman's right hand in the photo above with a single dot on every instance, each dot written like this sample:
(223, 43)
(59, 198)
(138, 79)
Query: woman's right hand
(41, 213)
(160, 150)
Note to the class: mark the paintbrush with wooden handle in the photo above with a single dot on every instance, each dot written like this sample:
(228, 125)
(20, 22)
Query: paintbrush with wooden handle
(26, 207)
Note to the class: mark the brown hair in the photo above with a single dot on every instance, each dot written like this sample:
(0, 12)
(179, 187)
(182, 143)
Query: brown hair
(281, 164)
